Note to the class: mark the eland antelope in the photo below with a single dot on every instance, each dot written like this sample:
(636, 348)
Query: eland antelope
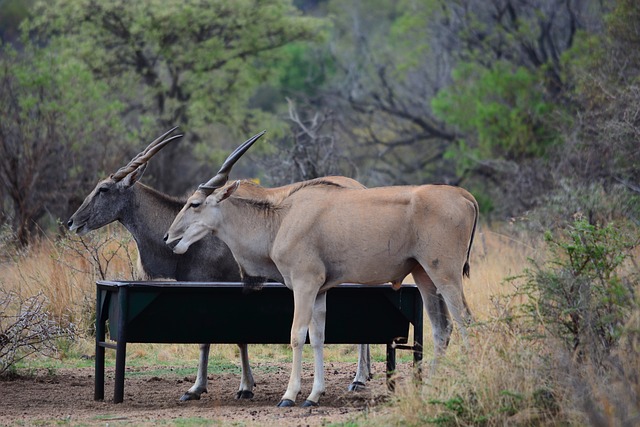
(320, 236)
(146, 214)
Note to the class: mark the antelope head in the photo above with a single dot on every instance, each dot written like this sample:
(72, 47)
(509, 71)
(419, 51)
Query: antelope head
(108, 200)
(200, 215)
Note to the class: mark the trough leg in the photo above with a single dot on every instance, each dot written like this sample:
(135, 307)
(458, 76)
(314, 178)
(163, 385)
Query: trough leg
(99, 362)
(391, 366)
(121, 346)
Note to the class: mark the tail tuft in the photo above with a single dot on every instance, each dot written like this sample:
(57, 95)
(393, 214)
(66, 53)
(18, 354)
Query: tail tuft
(466, 269)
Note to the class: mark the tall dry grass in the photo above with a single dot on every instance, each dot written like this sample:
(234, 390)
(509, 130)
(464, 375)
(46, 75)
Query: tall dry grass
(64, 270)
(503, 378)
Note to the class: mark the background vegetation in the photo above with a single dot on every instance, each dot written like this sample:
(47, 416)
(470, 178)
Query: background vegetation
(528, 104)
(532, 106)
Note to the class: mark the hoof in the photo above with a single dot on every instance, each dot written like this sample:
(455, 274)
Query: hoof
(308, 404)
(190, 396)
(356, 386)
(286, 403)
(244, 394)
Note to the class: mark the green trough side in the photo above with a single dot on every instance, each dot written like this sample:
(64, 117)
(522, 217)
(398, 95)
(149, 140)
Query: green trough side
(179, 312)
(223, 313)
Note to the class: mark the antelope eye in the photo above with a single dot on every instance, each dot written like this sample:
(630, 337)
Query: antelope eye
(103, 189)
(194, 204)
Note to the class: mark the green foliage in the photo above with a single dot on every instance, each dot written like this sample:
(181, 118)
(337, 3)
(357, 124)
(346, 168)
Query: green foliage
(301, 72)
(587, 52)
(501, 108)
(55, 119)
(79, 102)
(46, 84)
(582, 295)
(409, 37)
(195, 62)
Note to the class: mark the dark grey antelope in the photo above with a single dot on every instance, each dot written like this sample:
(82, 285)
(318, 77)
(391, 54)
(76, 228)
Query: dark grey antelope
(147, 213)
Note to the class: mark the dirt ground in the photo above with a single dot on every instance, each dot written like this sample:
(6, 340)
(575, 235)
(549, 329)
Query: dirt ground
(66, 397)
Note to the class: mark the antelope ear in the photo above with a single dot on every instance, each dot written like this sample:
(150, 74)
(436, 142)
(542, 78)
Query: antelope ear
(134, 176)
(227, 191)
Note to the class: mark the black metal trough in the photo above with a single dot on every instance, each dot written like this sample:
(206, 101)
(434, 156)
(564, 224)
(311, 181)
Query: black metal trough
(221, 313)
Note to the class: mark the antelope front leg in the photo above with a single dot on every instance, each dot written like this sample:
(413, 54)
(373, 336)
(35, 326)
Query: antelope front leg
(200, 386)
(303, 300)
(316, 337)
(246, 382)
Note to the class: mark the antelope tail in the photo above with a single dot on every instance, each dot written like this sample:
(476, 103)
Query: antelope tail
(467, 268)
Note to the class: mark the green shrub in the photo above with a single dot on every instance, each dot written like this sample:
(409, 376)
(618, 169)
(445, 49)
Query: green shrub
(584, 293)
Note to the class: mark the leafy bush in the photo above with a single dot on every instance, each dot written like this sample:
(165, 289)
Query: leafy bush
(57, 128)
(501, 108)
(582, 295)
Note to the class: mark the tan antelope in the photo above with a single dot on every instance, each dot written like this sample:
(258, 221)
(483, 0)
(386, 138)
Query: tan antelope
(320, 236)
(146, 214)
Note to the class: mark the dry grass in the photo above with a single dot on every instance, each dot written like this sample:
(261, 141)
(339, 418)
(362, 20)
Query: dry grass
(63, 271)
(497, 254)
(507, 379)
(502, 379)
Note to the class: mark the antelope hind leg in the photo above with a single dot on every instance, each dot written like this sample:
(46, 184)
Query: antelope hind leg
(449, 287)
(438, 313)
(363, 372)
